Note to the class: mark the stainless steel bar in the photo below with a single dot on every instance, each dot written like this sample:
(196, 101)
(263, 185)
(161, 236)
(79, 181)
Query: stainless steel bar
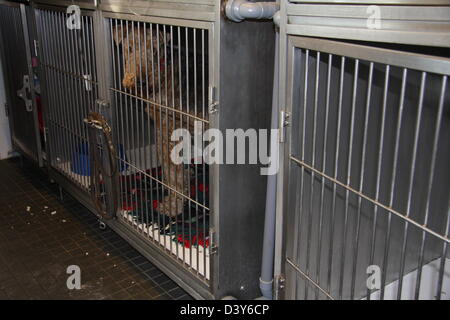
(203, 164)
(48, 20)
(78, 84)
(393, 182)
(159, 119)
(196, 167)
(52, 143)
(309, 280)
(152, 51)
(361, 177)
(324, 159)
(143, 116)
(187, 127)
(82, 113)
(180, 89)
(115, 115)
(297, 237)
(446, 232)
(126, 47)
(124, 40)
(59, 70)
(443, 256)
(92, 79)
(349, 168)
(70, 61)
(135, 121)
(172, 94)
(430, 184)
(166, 116)
(62, 103)
(411, 183)
(379, 204)
(336, 163)
(147, 94)
(378, 170)
(161, 106)
(140, 142)
(313, 163)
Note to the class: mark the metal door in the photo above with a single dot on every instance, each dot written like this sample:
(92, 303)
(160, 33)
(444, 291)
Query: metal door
(20, 80)
(70, 91)
(366, 185)
(159, 83)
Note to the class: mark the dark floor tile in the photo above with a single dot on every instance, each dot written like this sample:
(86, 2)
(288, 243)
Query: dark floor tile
(37, 246)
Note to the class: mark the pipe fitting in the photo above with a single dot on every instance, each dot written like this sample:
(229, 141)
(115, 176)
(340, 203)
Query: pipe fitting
(266, 288)
(239, 10)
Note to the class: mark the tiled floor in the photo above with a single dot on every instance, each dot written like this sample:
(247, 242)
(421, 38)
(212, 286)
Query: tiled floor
(40, 236)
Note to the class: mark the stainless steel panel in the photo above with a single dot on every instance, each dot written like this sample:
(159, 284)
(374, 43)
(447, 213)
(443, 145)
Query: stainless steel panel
(401, 23)
(185, 9)
(367, 180)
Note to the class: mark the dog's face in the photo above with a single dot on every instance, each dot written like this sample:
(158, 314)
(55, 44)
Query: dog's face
(139, 47)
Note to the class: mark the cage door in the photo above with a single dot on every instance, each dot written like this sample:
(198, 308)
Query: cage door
(366, 177)
(20, 80)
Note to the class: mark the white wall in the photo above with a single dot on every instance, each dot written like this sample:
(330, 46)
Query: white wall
(5, 137)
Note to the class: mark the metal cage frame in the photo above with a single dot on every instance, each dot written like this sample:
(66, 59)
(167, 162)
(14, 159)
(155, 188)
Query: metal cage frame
(299, 266)
(226, 275)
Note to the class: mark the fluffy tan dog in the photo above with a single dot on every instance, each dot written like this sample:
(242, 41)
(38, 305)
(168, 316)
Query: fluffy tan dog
(147, 60)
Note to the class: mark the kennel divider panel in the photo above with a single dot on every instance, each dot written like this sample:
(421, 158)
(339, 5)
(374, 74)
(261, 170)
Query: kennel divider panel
(136, 133)
(16, 58)
(359, 116)
(83, 4)
(395, 21)
(200, 10)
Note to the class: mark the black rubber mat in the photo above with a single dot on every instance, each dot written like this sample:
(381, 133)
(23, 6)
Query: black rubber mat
(41, 236)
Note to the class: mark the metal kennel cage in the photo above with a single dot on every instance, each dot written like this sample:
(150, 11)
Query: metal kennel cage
(147, 68)
(364, 186)
(16, 36)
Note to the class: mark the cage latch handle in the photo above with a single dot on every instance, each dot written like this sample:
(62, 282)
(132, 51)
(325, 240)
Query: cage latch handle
(24, 93)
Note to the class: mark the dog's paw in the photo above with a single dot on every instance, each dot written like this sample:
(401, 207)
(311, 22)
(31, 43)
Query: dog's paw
(128, 80)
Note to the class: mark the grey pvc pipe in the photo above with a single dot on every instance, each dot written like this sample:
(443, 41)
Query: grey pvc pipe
(238, 10)
(266, 279)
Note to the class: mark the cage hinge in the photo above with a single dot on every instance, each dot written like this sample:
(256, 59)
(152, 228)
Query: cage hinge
(213, 103)
(213, 108)
(213, 248)
(284, 122)
(25, 92)
(279, 286)
(36, 47)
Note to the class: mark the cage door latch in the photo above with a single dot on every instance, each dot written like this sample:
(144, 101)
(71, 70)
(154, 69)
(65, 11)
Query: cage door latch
(102, 103)
(24, 93)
